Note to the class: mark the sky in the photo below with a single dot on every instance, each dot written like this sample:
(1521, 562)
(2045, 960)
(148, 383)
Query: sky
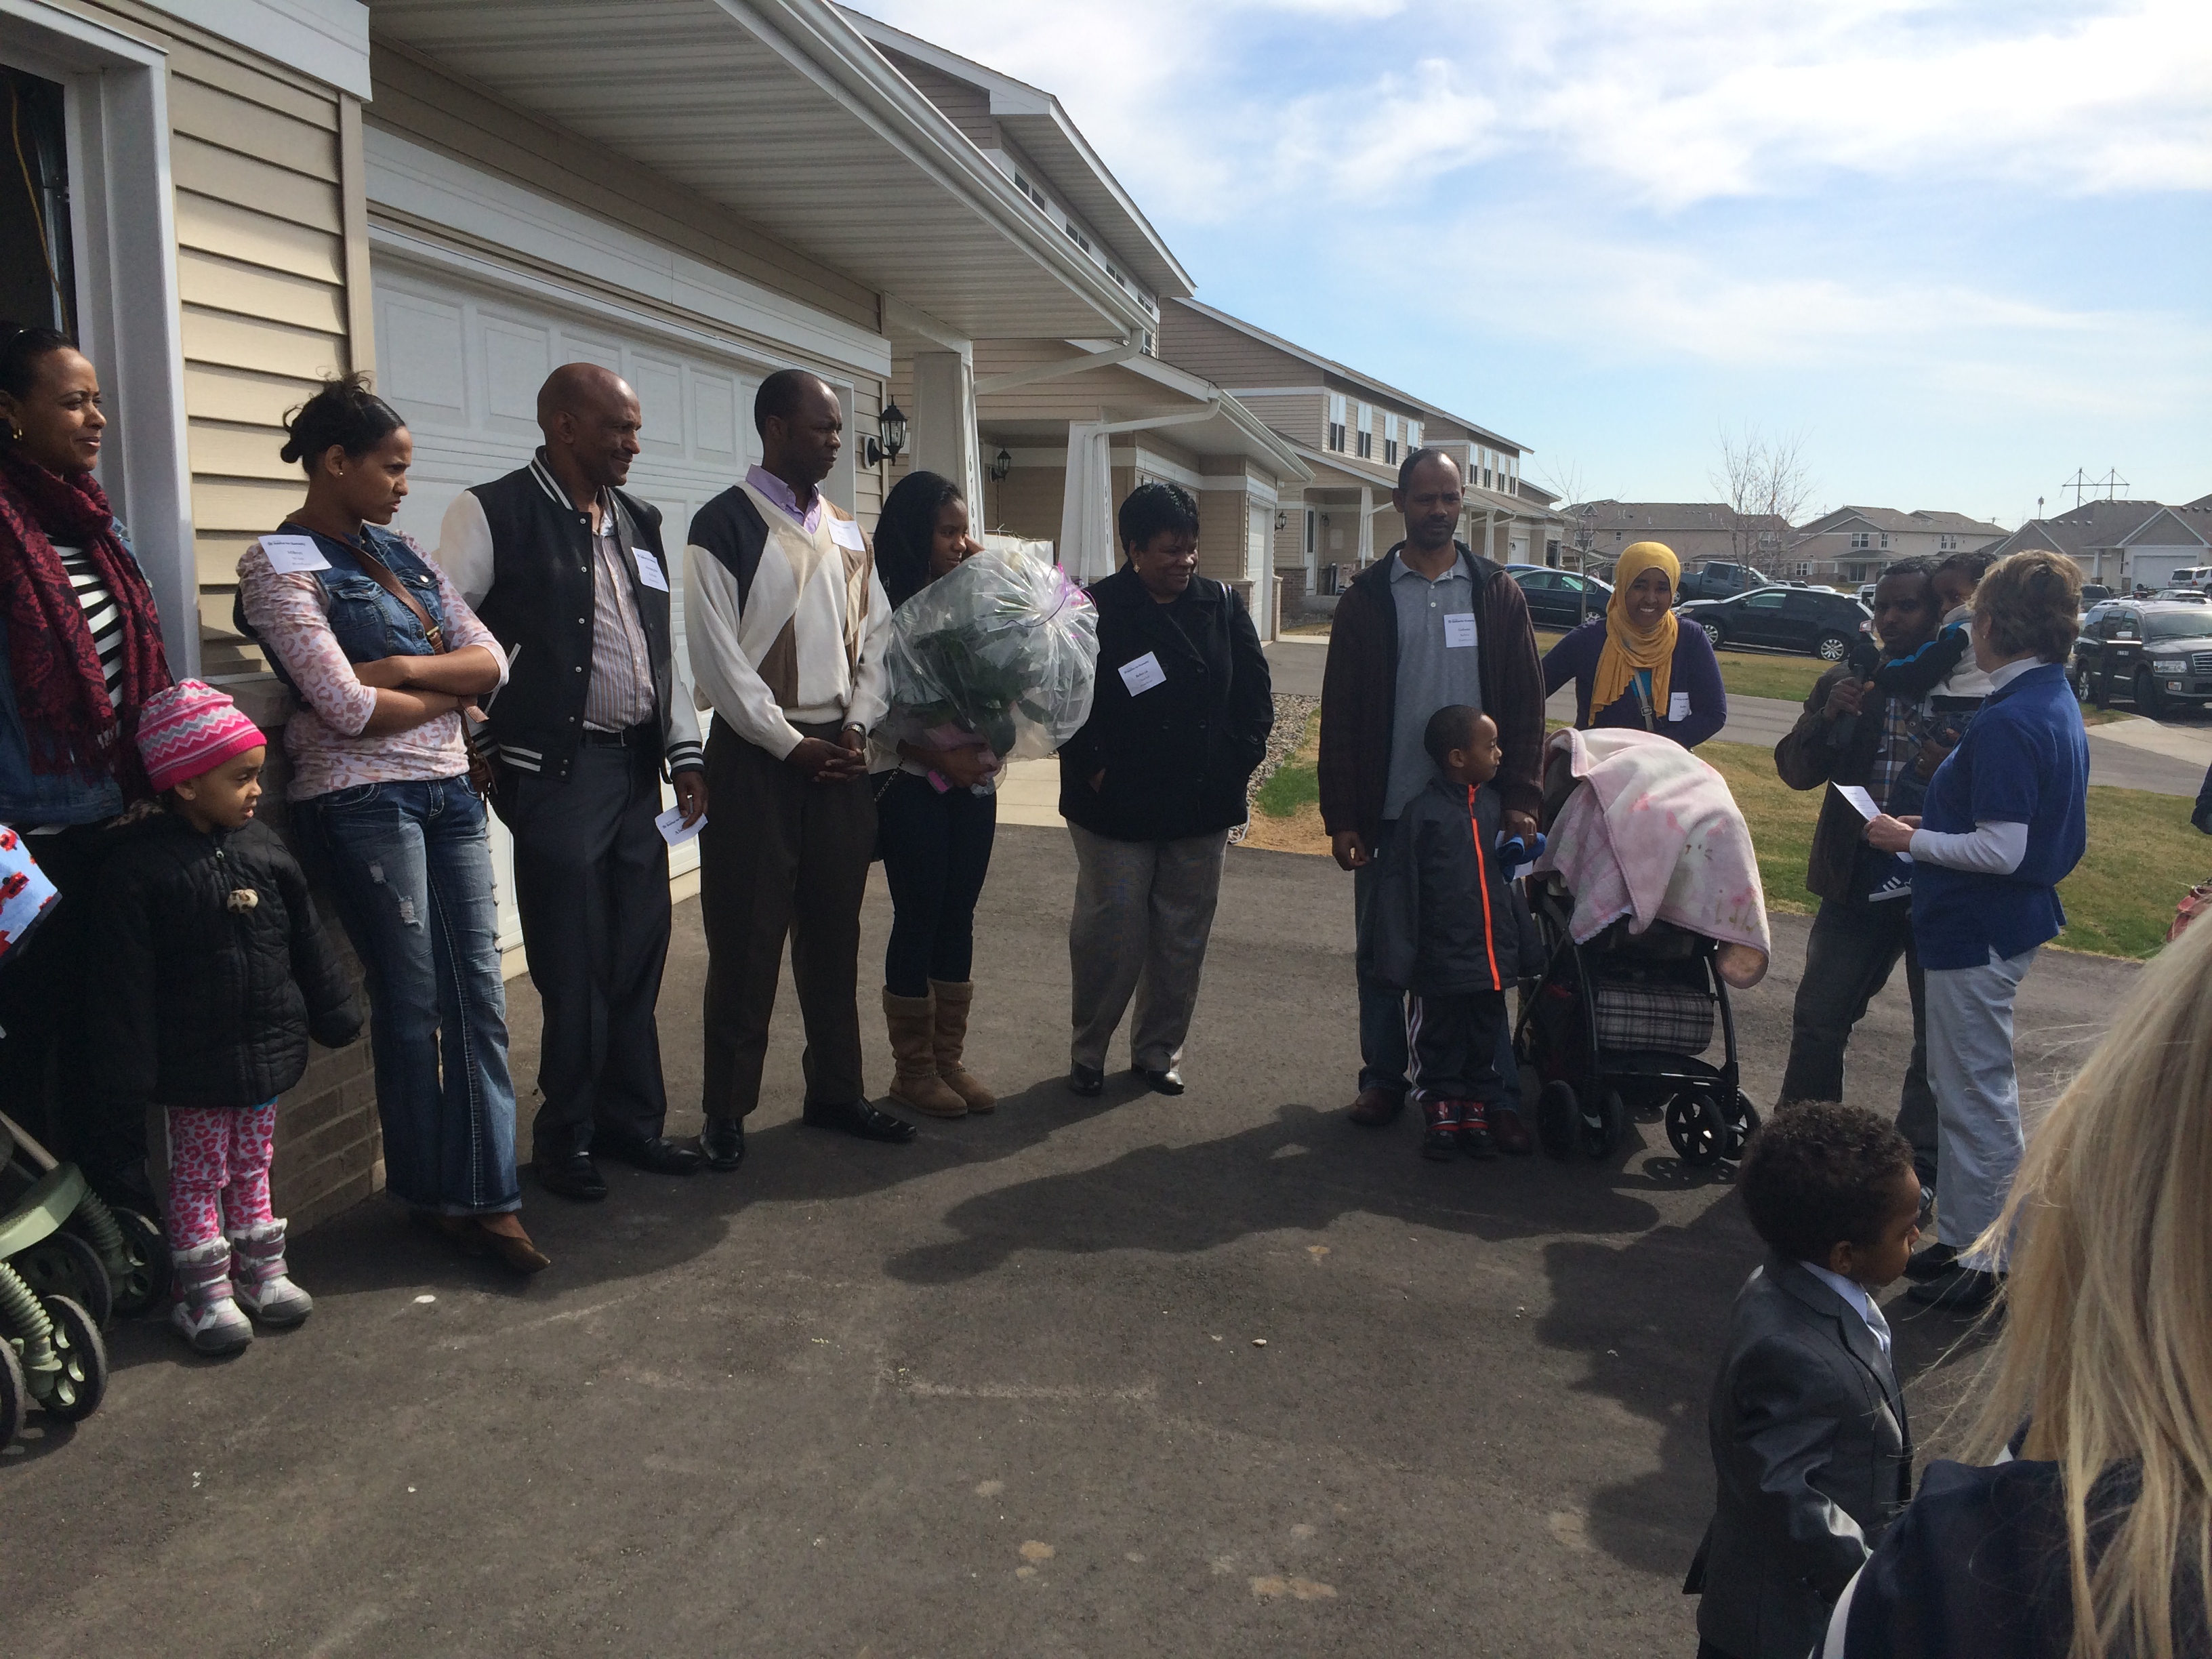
(1959, 251)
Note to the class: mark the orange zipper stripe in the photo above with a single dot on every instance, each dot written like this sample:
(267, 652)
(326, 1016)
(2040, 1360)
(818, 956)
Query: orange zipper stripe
(1482, 877)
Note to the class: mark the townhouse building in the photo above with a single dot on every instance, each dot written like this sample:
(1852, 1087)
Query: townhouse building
(1697, 531)
(1850, 545)
(2123, 545)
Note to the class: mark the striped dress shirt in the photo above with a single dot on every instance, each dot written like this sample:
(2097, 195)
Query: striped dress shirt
(621, 690)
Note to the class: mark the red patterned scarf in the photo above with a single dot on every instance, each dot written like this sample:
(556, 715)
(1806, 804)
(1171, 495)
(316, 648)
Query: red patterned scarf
(59, 689)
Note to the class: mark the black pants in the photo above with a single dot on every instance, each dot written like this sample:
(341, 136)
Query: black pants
(937, 851)
(591, 878)
(781, 857)
(44, 985)
(1454, 1040)
(1848, 959)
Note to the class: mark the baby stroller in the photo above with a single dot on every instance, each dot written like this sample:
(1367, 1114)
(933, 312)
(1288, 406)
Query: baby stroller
(1623, 1020)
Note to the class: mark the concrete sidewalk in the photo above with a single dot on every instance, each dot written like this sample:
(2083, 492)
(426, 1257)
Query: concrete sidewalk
(998, 1392)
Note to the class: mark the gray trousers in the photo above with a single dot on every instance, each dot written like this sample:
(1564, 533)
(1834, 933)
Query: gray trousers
(590, 880)
(1143, 912)
(1970, 1060)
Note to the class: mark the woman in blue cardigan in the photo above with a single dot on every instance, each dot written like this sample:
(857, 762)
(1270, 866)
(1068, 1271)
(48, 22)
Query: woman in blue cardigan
(1637, 666)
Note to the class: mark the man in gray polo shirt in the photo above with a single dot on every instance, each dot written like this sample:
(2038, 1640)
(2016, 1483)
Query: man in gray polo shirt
(1427, 625)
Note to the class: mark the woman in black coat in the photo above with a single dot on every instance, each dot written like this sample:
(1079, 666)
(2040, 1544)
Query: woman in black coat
(1152, 786)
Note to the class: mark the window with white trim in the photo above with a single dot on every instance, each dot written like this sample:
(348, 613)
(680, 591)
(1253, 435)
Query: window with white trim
(1366, 432)
(1860, 539)
(1413, 434)
(1390, 441)
(1336, 422)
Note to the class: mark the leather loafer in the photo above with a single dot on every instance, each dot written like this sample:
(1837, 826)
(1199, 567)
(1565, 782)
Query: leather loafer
(1509, 1131)
(1930, 1263)
(1958, 1290)
(722, 1142)
(574, 1177)
(861, 1120)
(1085, 1080)
(1168, 1082)
(1377, 1106)
(660, 1155)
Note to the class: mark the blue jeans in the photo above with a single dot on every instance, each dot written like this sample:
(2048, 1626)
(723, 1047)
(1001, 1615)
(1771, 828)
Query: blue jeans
(410, 866)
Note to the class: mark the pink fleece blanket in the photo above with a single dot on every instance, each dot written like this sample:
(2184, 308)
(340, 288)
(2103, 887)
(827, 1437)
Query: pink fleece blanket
(1653, 834)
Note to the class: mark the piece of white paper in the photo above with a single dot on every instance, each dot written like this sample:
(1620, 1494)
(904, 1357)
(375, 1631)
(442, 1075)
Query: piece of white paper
(648, 569)
(673, 829)
(846, 533)
(1678, 705)
(1459, 631)
(1143, 674)
(1861, 802)
(288, 555)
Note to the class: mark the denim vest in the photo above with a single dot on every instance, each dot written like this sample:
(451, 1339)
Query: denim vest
(29, 800)
(367, 621)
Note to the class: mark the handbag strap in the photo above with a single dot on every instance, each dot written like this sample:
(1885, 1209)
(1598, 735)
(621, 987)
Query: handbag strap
(381, 573)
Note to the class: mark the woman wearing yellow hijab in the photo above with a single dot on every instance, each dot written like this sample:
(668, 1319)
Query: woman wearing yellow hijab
(1636, 666)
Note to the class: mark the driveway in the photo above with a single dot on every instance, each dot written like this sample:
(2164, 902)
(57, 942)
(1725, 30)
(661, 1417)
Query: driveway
(998, 1392)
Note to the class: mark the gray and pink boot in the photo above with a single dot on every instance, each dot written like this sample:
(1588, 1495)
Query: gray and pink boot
(205, 1312)
(257, 1277)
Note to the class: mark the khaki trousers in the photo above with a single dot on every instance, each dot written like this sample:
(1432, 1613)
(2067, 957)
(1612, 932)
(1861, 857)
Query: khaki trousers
(1144, 910)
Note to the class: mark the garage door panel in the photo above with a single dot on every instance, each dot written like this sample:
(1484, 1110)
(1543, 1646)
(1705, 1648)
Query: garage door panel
(517, 358)
(423, 363)
(714, 419)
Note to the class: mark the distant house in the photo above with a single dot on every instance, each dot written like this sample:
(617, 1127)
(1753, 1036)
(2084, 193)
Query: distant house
(1852, 543)
(2123, 545)
(1697, 531)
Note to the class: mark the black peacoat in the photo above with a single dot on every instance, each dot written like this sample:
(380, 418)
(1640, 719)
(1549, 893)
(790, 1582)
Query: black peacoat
(1176, 753)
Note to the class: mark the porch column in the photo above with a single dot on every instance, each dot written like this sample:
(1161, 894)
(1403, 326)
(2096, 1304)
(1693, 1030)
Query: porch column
(1366, 525)
(943, 417)
(1086, 509)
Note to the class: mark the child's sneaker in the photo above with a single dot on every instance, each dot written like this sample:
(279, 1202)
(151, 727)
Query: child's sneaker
(257, 1277)
(1474, 1137)
(1441, 1139)
(204, 1313)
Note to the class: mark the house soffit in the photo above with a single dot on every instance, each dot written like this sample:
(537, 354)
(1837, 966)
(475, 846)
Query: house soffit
(780, 112)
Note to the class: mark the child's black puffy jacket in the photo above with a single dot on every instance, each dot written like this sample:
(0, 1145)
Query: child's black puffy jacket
(203, 997)
(1441, 919)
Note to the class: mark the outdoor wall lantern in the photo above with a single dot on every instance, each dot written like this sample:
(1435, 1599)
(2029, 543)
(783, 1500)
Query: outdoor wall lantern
(891, 425)
(1001, 464)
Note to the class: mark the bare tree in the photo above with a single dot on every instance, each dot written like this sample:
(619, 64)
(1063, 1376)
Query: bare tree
(1765, 483)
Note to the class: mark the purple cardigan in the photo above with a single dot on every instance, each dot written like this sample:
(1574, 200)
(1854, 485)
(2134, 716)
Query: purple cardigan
(1695, 673)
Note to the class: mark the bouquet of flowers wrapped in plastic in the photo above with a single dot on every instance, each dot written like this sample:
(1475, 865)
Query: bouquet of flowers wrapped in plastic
(1001, 650)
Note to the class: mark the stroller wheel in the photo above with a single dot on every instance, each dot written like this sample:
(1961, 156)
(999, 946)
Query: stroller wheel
(1738, 1129)
(144, 1281)
(15, 1395)
(1603, 1123)
(1558, 1117)
(1694, 1129)
(62, 1264)
(83, 1381)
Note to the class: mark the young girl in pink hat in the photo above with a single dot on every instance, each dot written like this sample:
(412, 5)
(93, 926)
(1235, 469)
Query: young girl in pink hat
(214, 975)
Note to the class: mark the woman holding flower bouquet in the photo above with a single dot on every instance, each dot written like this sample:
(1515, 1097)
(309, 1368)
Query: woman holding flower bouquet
(936, 815)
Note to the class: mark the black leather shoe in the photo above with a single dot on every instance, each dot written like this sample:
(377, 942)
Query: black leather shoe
(659, 1155)
(1168, 1082)
(572, 1177)
(722, 1142)
(1928, 1264)
(1085, 1080)
(1958, 1290)
(860, 1120)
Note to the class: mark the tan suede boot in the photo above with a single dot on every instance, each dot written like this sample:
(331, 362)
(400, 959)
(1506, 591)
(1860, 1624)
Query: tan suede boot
(916, 1084)
(952, 1002)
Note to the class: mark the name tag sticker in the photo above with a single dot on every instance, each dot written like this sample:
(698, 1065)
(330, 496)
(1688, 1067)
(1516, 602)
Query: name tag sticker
(1678, 705)
(1459, 630)
(1142, 674)
(288, 555)
(846, 533)
(648, 569)
(674, 830)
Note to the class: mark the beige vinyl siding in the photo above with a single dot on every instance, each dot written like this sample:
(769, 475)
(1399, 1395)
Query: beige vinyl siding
(1300, 416)
(1221, 528)
(1224, 357)
(967, 107)
(1027, 502)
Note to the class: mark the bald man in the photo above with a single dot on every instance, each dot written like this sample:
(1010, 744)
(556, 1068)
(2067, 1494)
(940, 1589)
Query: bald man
(568, 569)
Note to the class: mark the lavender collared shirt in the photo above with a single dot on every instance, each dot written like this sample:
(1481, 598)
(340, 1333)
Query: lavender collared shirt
(809, 517)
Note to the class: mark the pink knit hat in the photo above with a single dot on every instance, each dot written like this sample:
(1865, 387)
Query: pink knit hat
(190, 729)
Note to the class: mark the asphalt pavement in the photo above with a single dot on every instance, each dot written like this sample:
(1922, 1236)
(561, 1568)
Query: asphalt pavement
(999, 1392)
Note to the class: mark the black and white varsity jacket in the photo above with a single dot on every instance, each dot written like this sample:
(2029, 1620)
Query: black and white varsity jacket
(520, 553)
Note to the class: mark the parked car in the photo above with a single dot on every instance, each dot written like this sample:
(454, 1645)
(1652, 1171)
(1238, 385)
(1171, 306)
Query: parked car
(2184, 595)
(1560, 598)
(1718, 579)
(2198, 577)
(2157, 654)
(1811, 620)
(2094, 593)
(1866, 594)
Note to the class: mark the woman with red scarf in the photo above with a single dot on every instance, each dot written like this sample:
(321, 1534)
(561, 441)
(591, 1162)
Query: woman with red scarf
(79, 654)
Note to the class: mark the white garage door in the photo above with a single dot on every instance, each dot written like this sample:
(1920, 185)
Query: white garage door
(462, 365)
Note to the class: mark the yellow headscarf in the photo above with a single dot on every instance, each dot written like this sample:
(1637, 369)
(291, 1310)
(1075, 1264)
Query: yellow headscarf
(1628, 649)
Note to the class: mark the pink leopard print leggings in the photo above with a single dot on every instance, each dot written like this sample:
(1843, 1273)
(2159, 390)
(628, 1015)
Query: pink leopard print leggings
(218, 1169)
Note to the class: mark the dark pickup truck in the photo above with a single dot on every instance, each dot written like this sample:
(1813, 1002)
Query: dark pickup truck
(1718, 580)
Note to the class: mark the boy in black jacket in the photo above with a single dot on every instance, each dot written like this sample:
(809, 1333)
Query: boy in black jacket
(1441, 925)
(216, 974)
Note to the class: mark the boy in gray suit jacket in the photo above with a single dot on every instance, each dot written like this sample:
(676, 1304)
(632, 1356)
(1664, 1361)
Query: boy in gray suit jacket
(1808, 1424)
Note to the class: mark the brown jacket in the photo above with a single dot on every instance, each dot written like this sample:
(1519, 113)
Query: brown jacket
(1359, 695)
(1810, 758)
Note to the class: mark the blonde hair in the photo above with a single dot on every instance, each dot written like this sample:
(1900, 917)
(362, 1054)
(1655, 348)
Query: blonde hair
(2106, 1348)
(2032, 601)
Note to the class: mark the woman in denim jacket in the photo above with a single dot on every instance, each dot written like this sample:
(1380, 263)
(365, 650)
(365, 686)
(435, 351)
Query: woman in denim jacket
(383, 813)
(79, 654)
